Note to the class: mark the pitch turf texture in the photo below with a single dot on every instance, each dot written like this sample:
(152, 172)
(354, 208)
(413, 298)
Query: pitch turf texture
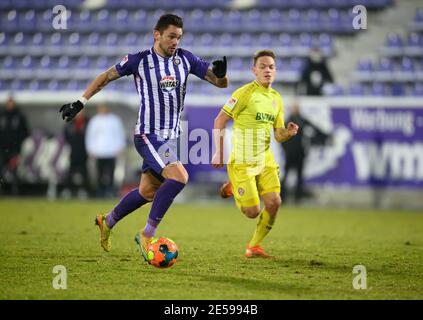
(315, 251)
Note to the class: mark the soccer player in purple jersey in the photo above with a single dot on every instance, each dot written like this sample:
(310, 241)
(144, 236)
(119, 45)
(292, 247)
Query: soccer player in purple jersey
(160, 75)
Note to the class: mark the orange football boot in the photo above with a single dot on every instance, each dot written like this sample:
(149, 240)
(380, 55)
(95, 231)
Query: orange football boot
(256, 251)
(226, 190)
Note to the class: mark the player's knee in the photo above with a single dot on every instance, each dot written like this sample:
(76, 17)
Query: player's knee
(251, 212)
(272, 205)
(147, 192)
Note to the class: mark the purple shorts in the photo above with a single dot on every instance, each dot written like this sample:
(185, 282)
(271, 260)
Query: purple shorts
(156, 153)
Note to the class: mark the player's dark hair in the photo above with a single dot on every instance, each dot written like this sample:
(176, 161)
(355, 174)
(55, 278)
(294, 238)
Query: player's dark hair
(264, 53)
(166, 20)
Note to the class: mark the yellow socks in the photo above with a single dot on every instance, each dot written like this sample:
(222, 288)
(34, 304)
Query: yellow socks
(264, 225)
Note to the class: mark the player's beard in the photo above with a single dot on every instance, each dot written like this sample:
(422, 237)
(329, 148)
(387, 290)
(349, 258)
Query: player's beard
(166, 50)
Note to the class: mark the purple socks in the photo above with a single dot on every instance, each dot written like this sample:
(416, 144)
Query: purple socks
(161, 203)
(132, 201)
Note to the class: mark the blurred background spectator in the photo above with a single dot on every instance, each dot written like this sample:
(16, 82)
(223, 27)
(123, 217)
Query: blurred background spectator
(295, 151)
(105, 140)
(77, 180)
(315, 73)
(13, 131)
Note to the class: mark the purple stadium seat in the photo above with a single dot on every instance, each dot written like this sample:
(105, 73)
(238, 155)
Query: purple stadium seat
(131, 39)
(225, 40)
(206, 39)
(9, 63)
(357, 89)
(407, 65)
(378, 89)
(46, 62)
(285, 40)
(188, 40)
(296, 64)
(196, 19)
(333, 90)
(38, 40)
(398, 89)
(19, 39)
(272, 20)
(27, 21)
(101, 20)
(56, 39)
(294, 20)
(246, 40)
(333, 21)
(364, 65)
(121, 20)
(393, 40)
(385, 65)
(44, 20)
(305, 42)
(393, 44)
(415, 39)
(10, 21)
(312, 20)
(265, 40)
(214, 20)
(17, 85)
(74, 39)
(233, 21)
(417, 89)
(419, 16)
(111, 39)
(83, 62)
(137, 20)
(254, 18)
(236, 63)
(27, 62)
(102, 62)
(64, 62)
(93, 39)
(4, 85)
(83, 21)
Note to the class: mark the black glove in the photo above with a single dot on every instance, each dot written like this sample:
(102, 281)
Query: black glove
(70, 110)
(219, 67)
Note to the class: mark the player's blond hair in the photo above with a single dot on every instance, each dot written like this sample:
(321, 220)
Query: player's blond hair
(264, 53)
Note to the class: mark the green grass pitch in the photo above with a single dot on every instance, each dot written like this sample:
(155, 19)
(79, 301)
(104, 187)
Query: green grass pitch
(315, 251)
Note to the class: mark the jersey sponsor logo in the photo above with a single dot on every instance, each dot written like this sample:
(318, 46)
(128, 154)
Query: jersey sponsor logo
(261, 116)
(231, 102)
(124, 60)
(168, 84)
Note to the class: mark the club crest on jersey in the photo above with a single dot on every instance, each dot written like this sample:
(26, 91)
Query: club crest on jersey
(168, 83)
(241, 191)
(177, 61)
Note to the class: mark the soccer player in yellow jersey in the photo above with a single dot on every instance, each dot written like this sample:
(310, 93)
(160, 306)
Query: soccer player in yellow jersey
(256, 109)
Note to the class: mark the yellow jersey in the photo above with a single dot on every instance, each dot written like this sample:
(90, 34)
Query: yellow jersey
(256, 110)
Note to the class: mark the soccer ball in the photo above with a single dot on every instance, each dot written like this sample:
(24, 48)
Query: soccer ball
(162, 252)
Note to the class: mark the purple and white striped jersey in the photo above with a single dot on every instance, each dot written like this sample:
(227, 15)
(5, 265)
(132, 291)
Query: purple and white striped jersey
(161, 85)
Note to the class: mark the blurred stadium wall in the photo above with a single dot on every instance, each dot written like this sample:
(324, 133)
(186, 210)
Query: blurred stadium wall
(373, 110)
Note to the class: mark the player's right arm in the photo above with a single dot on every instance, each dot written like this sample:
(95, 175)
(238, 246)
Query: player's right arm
(219, 138)
(70, 110)
(101, 81)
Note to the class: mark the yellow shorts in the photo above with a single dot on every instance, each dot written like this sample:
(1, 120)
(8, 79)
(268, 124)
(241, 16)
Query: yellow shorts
(250, 182)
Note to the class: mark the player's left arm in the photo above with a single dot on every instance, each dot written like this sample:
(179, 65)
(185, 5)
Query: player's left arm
(284, 134)
(216, 75)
